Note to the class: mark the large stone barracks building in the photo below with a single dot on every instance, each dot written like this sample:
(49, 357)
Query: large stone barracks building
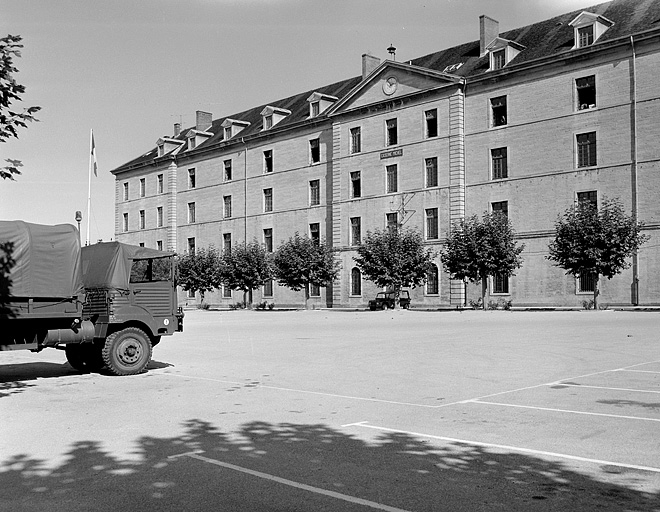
(527, 121)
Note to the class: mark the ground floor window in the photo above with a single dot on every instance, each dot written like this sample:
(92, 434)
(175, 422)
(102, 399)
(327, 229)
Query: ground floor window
(190, 294)
(586, 283)
(226, 292)
(356, 282)
(432, 285)
(501, 283)
(268, 288)
(314, 290)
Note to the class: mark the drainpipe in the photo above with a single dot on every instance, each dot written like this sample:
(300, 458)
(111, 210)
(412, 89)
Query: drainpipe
(245, 191)
(633, 177)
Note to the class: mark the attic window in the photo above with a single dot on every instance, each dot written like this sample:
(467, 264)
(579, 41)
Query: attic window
(502, 51)
(231, 127)
(319, 102)
(498, 59)
(268, 122)
(585, 36)
(588, 28)
(315, 108)
(227, 132)
(273, 115)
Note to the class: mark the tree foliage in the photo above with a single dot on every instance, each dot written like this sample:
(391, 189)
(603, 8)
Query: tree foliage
(394, 259)
(200, 271)
(10, 91)
(300, 262)
(479, 248)
(246, 267)
(589, 240)
(6, 264)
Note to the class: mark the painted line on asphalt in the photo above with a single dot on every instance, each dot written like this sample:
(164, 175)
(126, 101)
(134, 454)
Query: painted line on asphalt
(266, 476)
(551, 409)
(639, 371)
(511, 448)
(609, 388)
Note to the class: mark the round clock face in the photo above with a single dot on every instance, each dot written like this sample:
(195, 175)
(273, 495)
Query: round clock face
(389, 85)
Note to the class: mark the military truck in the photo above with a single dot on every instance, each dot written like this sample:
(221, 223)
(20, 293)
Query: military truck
(106, 305)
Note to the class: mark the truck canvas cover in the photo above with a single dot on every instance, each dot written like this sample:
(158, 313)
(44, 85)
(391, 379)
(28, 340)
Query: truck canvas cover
(108, 264)
(47, 259)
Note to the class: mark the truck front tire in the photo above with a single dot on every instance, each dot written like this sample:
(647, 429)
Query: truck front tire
(127, 352)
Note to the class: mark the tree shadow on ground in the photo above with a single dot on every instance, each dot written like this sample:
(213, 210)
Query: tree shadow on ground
(14, 377)
(395, 470)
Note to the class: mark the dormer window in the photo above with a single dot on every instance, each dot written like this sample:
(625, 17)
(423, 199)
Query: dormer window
(502, 51)
(268, 122)
(273, 115)
(166, 145)
(319, 102)
(231, 127)
(588, 28)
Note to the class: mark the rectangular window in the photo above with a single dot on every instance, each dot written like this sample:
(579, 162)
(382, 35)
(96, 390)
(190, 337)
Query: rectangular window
(431, 165)
(191, 178)
(589, 197)
(125, 223)
(226, 170)
(159, 245)
(356, 231)
(314, 151)
(392, 185)
(499, 163)
(191, 245)
(314, 192)
(356, 184)
(356, 282)
(227, 206)
(191, 213)
(585, 36)
(432, 281)
(392, 221)
(226, 292)
(314, 290)
(316, 108)
(160, 184)
(268, 160)
(227, 132)
(356, 140)
(500, 283)
(268, 288)
(226, 242)
(143, 187)
(498, 111)
(586, 149)
(585, 92)
(268, 200)
(159, 217)
(126, 191)
(268, 122)
(315, 232)
(500, 206)
(431, 119)
(392, 138)
(586, 283)
(268, 239)
(141, 244)
(499, 59)
(432, 224)
(142, 219)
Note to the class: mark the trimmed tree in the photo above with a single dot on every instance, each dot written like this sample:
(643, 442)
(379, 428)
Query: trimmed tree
(477, 249)
(394, 259)
(300, 262)
(594, 241)
(200, 271)
(246, 267)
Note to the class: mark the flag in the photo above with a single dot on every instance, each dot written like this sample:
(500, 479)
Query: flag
(93, 156)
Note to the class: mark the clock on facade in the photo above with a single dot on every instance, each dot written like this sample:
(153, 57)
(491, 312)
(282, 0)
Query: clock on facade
(390, 85)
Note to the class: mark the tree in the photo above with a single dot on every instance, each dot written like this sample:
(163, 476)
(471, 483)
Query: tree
(6, 264)
(594, 241)
(477, 249)
(246, 267)
(11, 91)
(300, 262)
(394, 259)
(200, 271)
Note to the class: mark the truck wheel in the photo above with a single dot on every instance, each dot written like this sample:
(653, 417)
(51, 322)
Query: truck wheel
(127, 352)
(85, 357)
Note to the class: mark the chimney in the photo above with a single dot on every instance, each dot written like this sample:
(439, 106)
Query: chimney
(204, 121)
(369, 63)
(177, 129)
(489, 29)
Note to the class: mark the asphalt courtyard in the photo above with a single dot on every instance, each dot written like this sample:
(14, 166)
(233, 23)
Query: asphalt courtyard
(347, 411)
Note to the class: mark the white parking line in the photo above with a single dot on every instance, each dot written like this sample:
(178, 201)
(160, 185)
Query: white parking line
(608, 388)
(639, 371)
(551, 409)
(290, 483)
(467, 442)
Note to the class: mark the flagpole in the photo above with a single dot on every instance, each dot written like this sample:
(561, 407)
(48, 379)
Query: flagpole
(89, 181)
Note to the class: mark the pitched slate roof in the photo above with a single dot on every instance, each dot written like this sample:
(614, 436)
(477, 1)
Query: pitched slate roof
(542, 39)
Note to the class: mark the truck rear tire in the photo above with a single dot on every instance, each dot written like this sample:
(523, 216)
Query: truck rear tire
(127, 352)
(84, 357)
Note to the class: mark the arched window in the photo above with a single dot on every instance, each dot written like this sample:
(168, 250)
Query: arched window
(432, 285)
(356, 281)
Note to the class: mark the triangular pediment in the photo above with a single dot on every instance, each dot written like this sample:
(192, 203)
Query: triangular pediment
(392, 80)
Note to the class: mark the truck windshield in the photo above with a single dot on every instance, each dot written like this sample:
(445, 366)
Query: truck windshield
(150, 270)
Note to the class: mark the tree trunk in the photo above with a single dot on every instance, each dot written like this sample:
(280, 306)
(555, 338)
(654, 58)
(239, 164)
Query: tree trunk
(201, 296)
(596, 292)
(250, 299)
(484, 292)
(306, 295)
(397, 297)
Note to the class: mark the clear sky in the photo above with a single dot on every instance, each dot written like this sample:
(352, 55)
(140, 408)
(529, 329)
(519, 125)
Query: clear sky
(130, 69)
